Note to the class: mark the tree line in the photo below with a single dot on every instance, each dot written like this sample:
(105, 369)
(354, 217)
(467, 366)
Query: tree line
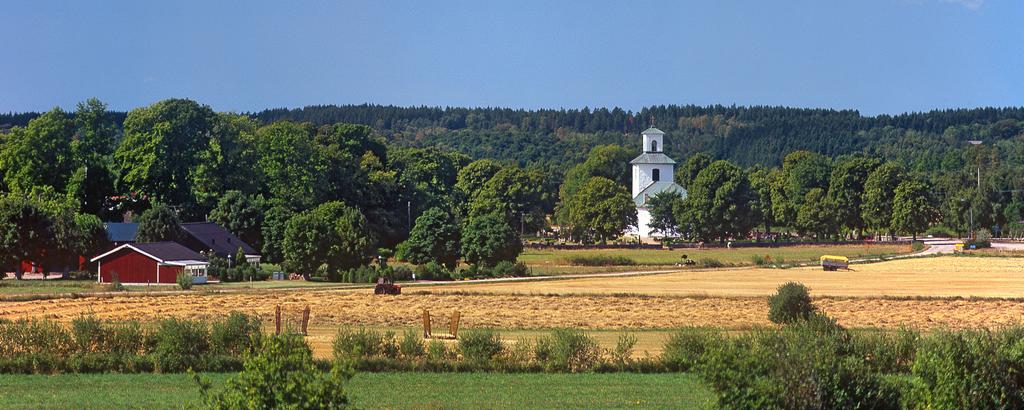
(327, 197)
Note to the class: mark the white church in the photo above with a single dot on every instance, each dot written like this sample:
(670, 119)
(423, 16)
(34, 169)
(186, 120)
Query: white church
(652, 174)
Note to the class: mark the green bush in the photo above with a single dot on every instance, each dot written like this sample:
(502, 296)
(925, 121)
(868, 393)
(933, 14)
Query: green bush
(360, 343)
(917, 246)
(184, 280)
(600, 260)
(806, 365)
(401, 272)
(622, 354)
(885, 351)
(684, 349)
(361, 274)
(479, 347)
(971, 369)
(506, 269)
(437, 351)
(790, 303)
(236, 335)
(709, 263)
(940, 231)
(761, 260)
(115, 282)
(89, 335)
(282, 374)
(180, 344)
(411, 346)
(432, 271)
(567, 350)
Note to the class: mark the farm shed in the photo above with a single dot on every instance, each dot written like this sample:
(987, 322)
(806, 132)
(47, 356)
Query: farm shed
(211, 237)
(157, 262)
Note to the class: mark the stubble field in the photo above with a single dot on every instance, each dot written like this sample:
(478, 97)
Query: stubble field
(729, 299)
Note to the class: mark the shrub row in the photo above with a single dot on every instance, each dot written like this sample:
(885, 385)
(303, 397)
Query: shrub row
(564, 350)
(600, 260)
(91, 345)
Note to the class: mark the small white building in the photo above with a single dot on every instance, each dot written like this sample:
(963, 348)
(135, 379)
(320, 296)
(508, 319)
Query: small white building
(652, 174)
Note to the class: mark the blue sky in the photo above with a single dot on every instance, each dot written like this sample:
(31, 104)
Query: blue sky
(876, 56)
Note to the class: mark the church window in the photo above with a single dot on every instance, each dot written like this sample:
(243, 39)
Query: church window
(654, 146)
(656, 175)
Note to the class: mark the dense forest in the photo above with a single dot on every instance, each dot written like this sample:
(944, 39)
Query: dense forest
(366, 177)
(560, 138)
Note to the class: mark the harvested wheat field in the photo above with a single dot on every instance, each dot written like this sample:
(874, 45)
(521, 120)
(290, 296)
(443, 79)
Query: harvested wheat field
(932, 277)
(524, 311)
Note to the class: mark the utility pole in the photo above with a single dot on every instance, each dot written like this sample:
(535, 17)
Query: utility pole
(408, 215)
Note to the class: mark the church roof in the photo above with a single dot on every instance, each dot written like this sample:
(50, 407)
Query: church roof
(657, 188)
(652, 130)
(652, 158)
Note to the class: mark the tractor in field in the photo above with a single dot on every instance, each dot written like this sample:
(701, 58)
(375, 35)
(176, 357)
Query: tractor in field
(834, 263)
(387, 286)
(686, 261)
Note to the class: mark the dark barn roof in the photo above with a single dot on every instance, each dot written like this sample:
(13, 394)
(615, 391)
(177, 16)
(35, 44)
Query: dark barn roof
(169, 251)
(162, 251)
(121, 232)
(213, 236)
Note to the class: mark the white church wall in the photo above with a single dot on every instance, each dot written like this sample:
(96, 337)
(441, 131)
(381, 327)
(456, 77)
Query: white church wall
(643, 222)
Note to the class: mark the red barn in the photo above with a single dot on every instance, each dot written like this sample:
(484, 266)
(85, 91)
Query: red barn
(157, 262)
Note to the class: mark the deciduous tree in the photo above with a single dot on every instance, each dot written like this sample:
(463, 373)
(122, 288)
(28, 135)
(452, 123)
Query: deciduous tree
(602, 209)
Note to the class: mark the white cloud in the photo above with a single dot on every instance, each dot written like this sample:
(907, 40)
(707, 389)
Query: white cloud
(970, 4)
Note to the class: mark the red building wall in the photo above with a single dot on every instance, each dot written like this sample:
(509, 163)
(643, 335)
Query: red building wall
(131, 267)
(169, 274)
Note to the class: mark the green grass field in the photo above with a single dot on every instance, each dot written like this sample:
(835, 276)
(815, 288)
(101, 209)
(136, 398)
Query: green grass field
(375, 390)
(552, 259)
(540, 263)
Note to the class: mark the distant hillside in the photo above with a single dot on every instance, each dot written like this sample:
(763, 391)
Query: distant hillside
(746, 135)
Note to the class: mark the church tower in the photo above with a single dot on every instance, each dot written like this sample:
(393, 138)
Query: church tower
(653, 165)
(653, 173)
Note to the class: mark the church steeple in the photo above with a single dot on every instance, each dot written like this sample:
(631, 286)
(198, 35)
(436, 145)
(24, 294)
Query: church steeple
(653, 140)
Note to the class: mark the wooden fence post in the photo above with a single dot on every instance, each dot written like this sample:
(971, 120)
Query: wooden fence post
(305, 321)
(277, 320)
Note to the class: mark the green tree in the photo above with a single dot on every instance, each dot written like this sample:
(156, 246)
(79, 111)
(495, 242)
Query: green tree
(487, 240)
(241, 215)
(158, 224)
(803, 171)
(90, 237)
(434, 238)
(912, 209)
(426, 177)
(290, 163)
(473, 176)
(275, 219)
(607, 161)
(28, 232)
(515, 193)
(90, 186)
(333, 234)
(817, 215)
(40, 154)
(687, 173)
(718, 202)
(228, 161)
(662, 207)
(879, 192)
(602, 209)
(161, 146)
(846, 190)
(762, 182)
(96, 132)
(281, 374)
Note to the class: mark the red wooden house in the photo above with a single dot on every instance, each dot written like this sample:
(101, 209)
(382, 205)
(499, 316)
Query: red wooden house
(143, 263)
